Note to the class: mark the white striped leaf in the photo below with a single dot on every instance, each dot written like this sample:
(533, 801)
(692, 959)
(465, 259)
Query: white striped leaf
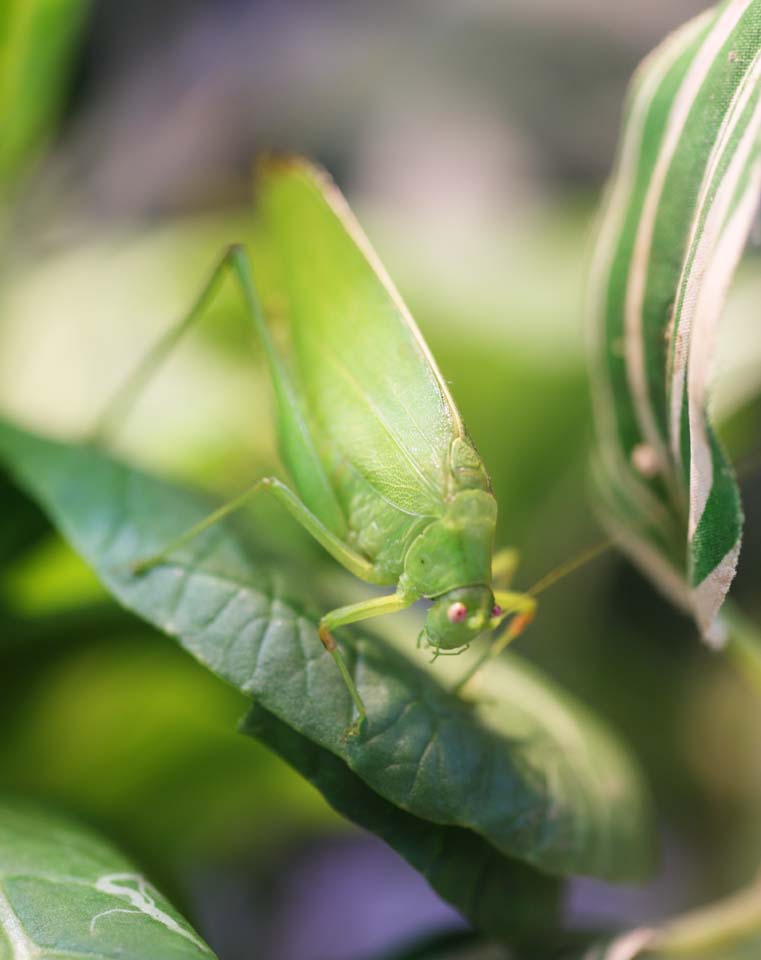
(677, 215)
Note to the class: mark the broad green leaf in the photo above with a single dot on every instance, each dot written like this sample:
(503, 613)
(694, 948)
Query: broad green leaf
(64, 892)
(522, 767)
(678, 212)
(36, 41)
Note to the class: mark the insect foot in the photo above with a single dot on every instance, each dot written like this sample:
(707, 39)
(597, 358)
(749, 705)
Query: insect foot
(326, 638)
(140, 567)
(328, 641)
(355, 729)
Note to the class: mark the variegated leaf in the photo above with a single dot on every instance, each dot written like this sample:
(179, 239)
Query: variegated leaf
(677, 215)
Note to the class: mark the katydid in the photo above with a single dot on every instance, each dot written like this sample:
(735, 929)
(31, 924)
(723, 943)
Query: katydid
(384, 475)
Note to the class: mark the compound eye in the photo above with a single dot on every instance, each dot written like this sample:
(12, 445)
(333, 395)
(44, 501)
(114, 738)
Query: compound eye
(496, 610)
(457, 612)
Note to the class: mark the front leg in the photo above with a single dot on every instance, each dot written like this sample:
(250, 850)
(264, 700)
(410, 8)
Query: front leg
(364, 610)
(354, 562)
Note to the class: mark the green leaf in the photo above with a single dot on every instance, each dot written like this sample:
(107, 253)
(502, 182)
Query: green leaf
(64, 892)
(23, 525)
(523, 767)
(36, 42)
(679, 209)
(496, 894)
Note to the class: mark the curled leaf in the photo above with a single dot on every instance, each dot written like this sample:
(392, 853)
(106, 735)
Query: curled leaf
(678, 212)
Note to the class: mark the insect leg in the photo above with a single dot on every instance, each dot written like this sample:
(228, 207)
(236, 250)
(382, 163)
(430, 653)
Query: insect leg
(297, 446)
(523, 606)
(234, 262)
(503, 566)
(355, 563)
(124, 398)
(364, 610)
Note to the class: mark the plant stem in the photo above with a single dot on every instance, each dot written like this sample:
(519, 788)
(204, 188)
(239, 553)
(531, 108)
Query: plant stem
(717, 925)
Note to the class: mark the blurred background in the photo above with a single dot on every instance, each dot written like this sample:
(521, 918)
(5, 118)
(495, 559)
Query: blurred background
(473, 138)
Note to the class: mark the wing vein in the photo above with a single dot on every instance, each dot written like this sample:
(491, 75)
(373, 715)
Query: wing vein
(367, 401)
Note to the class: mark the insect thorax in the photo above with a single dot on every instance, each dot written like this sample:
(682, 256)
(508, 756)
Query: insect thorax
(455, 550)
(466, 467)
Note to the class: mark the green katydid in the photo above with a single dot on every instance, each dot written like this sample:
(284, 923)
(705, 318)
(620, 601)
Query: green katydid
(384, 474)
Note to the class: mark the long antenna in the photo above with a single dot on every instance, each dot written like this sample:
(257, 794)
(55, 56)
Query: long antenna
(583, 558)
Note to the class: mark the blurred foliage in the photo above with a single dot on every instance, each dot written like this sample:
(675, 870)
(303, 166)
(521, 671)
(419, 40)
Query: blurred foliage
(37, 45)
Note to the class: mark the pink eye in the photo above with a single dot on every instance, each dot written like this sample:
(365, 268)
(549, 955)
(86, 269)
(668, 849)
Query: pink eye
(496, 610)
(457, 612)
